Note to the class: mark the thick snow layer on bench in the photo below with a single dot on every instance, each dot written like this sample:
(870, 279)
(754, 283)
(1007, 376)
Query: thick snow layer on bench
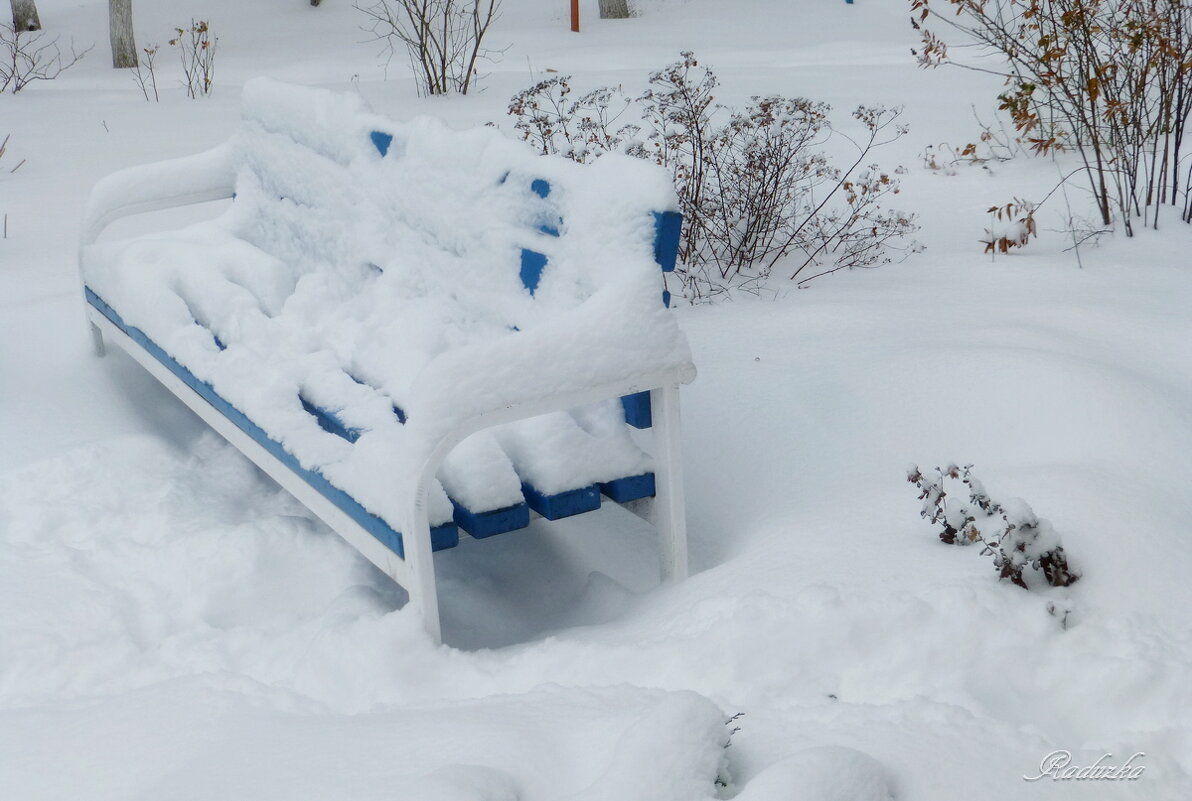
(386, 287)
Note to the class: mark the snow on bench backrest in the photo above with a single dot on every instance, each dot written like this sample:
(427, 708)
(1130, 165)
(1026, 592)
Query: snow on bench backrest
(329, 187)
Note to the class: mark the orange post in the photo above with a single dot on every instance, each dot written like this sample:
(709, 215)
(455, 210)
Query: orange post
(575, 16)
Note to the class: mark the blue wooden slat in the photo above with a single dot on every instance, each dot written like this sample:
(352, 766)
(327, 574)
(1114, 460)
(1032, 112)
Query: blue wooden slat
(562, 504)
(637, 409)
(444, 536)
(540, 187)
(441, 537)
(488, 524)
(666, 298)
(329, 421)
(629, 488)
(532, 265)
(668, 227)
(381, 141)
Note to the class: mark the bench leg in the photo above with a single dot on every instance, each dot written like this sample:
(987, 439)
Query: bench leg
(669, 502)
(420, 556)
(97, 340)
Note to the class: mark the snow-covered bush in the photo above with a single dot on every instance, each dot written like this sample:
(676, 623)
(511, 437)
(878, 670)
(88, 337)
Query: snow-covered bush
(27, 56)
(1010, 532)
(1010, 226)
(724, 776)
(757, 192)
(444, 39)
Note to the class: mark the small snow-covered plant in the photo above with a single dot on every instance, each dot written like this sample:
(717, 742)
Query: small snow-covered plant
(756, 191)
(27, 56)
(1032, 541)
(196, 49)
(444, 39)
(723, 775)
(145, 73)
(1010, 532)
(1011, 226)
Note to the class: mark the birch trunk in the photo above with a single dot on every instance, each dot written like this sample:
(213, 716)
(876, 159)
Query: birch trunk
(614, 9)
(124, 49)
(24, 16)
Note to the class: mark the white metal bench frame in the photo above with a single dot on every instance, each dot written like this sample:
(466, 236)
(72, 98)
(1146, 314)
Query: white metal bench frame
(207, 177)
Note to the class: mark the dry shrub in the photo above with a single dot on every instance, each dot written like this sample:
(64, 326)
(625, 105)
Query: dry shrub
(756, 189)
(28, 56)
(1110, 79)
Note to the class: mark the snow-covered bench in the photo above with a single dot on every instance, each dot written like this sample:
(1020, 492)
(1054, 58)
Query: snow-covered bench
(412, 329)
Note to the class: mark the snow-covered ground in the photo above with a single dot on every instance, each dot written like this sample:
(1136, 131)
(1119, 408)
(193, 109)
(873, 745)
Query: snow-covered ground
(175, 626)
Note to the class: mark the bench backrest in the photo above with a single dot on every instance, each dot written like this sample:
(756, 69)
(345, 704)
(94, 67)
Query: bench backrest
(467, 234)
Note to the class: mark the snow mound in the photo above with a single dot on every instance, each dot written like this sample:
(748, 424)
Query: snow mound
(673, 752)
(463, 783)
(201, 738)
(828, 773)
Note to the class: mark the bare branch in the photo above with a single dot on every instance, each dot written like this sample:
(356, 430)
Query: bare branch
(28, 57)
(444, 39)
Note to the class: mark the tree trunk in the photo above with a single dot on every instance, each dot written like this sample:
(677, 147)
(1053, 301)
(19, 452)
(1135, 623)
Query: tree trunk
(24, 16)
(124, 49)
(614, 9)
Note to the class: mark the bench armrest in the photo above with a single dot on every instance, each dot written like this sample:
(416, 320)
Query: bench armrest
(551, 367)
(162, 185)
